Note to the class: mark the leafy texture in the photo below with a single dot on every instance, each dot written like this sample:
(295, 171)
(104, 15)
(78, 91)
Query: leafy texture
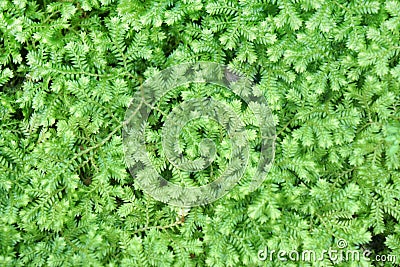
(330, 71)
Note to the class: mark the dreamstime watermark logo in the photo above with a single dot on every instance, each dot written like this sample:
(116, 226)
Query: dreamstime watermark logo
(158, 86)
(339, 254)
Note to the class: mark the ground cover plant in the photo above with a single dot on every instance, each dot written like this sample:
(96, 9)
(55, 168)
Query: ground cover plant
(329, 71)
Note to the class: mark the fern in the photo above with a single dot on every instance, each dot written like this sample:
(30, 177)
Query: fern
(69, 70)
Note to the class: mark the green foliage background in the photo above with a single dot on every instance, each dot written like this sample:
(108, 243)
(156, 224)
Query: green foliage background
(331, 74)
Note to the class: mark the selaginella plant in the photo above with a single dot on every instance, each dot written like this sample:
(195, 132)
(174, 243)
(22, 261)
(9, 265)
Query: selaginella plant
(329, 70)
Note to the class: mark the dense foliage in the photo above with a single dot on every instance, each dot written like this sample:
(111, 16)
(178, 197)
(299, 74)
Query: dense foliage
(329, 70)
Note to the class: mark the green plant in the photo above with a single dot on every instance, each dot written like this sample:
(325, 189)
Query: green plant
(68, 70)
